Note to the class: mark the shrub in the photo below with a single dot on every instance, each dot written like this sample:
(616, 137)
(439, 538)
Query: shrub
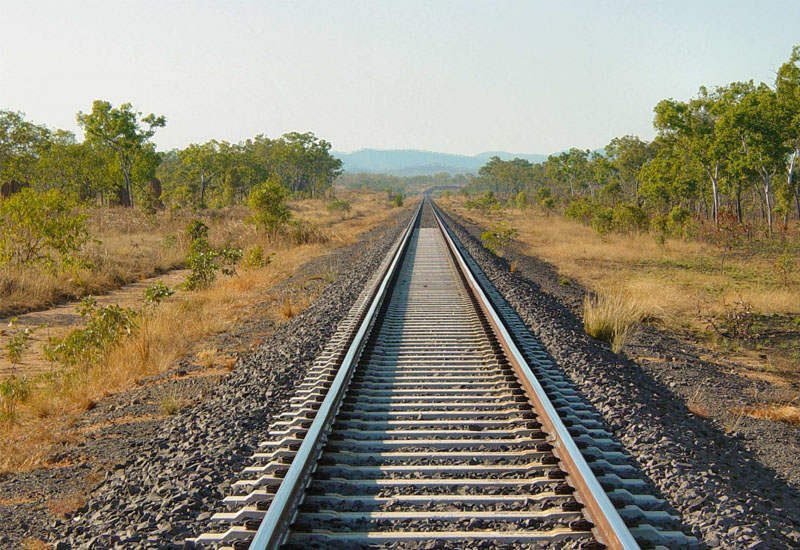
(204, 261)
(18, 343)
(13, 391)
(677, 221)
(629, 218)
(268, 201)
(339, 205)
(521, 200)
(256, 258)
(398, 200)
(41, 229)
(786, 264)
(603, 220)
(497, 237)
(581, 210)
(610, 318)
(485, 203)
(196, 230)
(102, 331)
(157, 292)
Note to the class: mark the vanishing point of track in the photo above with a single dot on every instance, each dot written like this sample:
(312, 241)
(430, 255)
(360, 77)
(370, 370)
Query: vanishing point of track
(431, 419)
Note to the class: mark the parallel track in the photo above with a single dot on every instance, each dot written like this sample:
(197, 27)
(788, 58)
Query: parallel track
(430, 427)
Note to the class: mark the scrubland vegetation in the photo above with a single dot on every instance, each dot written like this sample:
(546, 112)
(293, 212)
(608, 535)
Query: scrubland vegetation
(697, 230)
(80, 218)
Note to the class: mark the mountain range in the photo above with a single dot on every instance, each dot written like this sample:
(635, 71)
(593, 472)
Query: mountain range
(413, 162)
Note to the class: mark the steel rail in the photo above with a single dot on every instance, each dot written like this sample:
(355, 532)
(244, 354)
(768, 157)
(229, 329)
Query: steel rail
(609, 528)
(275, 526)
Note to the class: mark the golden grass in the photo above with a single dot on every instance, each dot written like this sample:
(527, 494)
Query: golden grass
(783, 413)
(610, 318)
(175, 328)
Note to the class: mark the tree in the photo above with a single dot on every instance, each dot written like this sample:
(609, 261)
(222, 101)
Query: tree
(120, 131)
(787, 88)
(754, 119)
(627, 155)
(693, 127)
(20, 144)
(268, 202)
(205, 165)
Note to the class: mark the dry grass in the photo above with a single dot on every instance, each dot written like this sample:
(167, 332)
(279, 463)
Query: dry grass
(33, 544)
(60, 507)
(679, 284)
(783, 413)
(610, 318)
(177, 327)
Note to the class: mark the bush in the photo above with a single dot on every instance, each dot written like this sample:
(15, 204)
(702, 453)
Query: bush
(603, 220)
(339, 205)
(581, 210)
(521, 200)
(629, 218)
(268, 202)
(41, 229)
(102, 330)
(398, 200)
(18, 343)
(485, 203)
(157, 292)
(677, 221)
(255, 257)
(497, 237)
(196, 230)
(204, 262)
(13, 391)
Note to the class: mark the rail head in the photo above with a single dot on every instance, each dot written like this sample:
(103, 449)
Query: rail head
(609, 528)
(275, 526)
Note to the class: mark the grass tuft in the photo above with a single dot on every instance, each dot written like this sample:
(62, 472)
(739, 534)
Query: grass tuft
(610, 318)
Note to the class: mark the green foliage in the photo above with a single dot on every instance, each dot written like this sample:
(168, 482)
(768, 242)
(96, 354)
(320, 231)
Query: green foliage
(398, 200)
(120, 131)
(498, 237)
(197, 230)
(18, 342)
(268, 201)
(255, 257)
(629, 218)
(581, 210)
(339, 205)
(13, 391)
(677, 221)
(204, 261)
(603, 220)
(102, 330)
(485, 204)
(157, 292)
(41, 229)
(521, 200)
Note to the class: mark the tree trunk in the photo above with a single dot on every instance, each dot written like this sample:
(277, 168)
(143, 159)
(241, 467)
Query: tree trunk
(739, 205)
(768, 202)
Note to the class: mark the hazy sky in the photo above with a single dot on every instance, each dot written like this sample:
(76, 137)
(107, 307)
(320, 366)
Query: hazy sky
(459, 77)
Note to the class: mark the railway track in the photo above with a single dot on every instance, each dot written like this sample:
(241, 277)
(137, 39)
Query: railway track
(435, 420)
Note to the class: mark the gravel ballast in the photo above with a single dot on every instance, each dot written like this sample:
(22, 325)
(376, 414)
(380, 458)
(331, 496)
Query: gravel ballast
(168, 488)
(725, 495)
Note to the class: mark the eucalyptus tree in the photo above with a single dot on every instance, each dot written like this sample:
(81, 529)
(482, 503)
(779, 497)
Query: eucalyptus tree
(122, 131)
(787, 87)
(693, 127)
(205, 165)
(627, 155)
(21, 143)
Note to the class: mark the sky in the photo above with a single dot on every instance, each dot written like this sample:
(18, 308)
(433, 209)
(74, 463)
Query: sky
(450, 76)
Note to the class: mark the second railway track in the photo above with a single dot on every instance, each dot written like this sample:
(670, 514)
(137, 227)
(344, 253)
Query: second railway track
(430, 422)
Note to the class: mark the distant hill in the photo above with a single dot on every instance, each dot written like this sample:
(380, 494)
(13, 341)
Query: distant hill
(411, 162)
